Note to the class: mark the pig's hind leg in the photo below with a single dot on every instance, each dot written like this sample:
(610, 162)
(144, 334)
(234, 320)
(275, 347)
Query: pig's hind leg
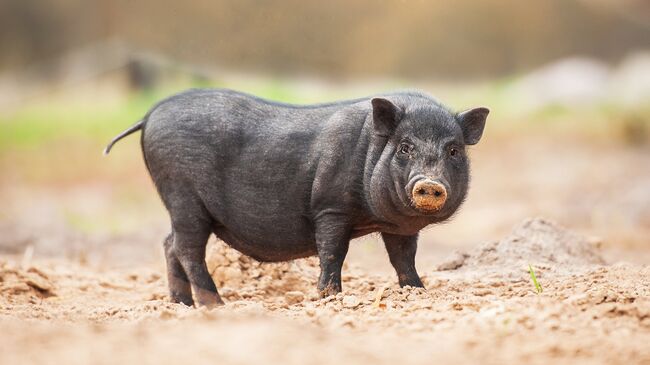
(191, 228)
(180, 290)
(189, 247)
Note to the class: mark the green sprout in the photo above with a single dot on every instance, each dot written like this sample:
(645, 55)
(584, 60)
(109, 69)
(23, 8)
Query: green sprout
(538, 287)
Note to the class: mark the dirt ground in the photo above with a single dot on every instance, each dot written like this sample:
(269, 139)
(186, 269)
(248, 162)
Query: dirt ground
(82, 275)
(479, 305)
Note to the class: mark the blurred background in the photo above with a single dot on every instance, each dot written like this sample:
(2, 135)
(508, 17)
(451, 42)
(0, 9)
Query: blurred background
(568, 83)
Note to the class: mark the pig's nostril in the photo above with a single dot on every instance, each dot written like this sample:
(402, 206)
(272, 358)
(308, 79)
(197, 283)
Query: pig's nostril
(429, 196)
(429, 190)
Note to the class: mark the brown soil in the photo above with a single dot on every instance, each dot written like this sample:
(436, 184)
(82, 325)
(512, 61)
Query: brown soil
(480, 306)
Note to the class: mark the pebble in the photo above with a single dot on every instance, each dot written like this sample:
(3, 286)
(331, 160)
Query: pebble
(351, 301)
(294, 297)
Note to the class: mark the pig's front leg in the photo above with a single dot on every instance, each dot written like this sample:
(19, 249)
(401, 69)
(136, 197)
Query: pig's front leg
(401, 252)
(332, 242)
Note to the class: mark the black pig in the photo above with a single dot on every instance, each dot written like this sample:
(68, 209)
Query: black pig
(278, 181)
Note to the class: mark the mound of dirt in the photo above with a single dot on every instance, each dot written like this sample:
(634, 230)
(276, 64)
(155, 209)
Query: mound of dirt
(538, 242)
(19, 285)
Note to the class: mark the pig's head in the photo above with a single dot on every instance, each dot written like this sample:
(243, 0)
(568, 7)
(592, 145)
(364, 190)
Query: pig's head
(421, 168)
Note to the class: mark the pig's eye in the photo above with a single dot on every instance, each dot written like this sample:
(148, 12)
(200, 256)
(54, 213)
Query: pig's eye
(453, 151)
(404, 149)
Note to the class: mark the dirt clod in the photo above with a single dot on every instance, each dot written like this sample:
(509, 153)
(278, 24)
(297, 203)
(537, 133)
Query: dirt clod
(19, 285)
(350, 301)
(294, 297)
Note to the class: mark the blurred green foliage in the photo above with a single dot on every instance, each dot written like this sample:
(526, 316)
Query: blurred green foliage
(34, 125)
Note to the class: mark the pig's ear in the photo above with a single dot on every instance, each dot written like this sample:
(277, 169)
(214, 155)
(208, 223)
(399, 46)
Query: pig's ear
(385, 116)
(472, 123)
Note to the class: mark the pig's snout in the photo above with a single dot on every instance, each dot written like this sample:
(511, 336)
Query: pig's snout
(429, 195)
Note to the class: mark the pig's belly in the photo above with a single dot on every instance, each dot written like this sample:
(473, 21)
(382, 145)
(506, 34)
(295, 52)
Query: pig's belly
(269, 244)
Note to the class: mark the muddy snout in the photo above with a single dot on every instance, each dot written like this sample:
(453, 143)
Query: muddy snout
(429, 195)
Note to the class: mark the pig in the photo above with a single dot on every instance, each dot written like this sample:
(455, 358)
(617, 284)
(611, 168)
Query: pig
(279, 181)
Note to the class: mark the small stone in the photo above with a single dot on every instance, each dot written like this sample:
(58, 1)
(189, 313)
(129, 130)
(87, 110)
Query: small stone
(294, 297)
(350, 301)
(38, 282)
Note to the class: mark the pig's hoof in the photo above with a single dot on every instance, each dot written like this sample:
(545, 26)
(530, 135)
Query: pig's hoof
(181, 298)
(210, 305)
(330, 289)
(208, 299)
(414, 281)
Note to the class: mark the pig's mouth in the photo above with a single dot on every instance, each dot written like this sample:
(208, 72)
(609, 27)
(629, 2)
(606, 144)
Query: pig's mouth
(427, 195)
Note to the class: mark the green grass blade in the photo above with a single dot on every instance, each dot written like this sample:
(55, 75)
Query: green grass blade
(538, 287)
